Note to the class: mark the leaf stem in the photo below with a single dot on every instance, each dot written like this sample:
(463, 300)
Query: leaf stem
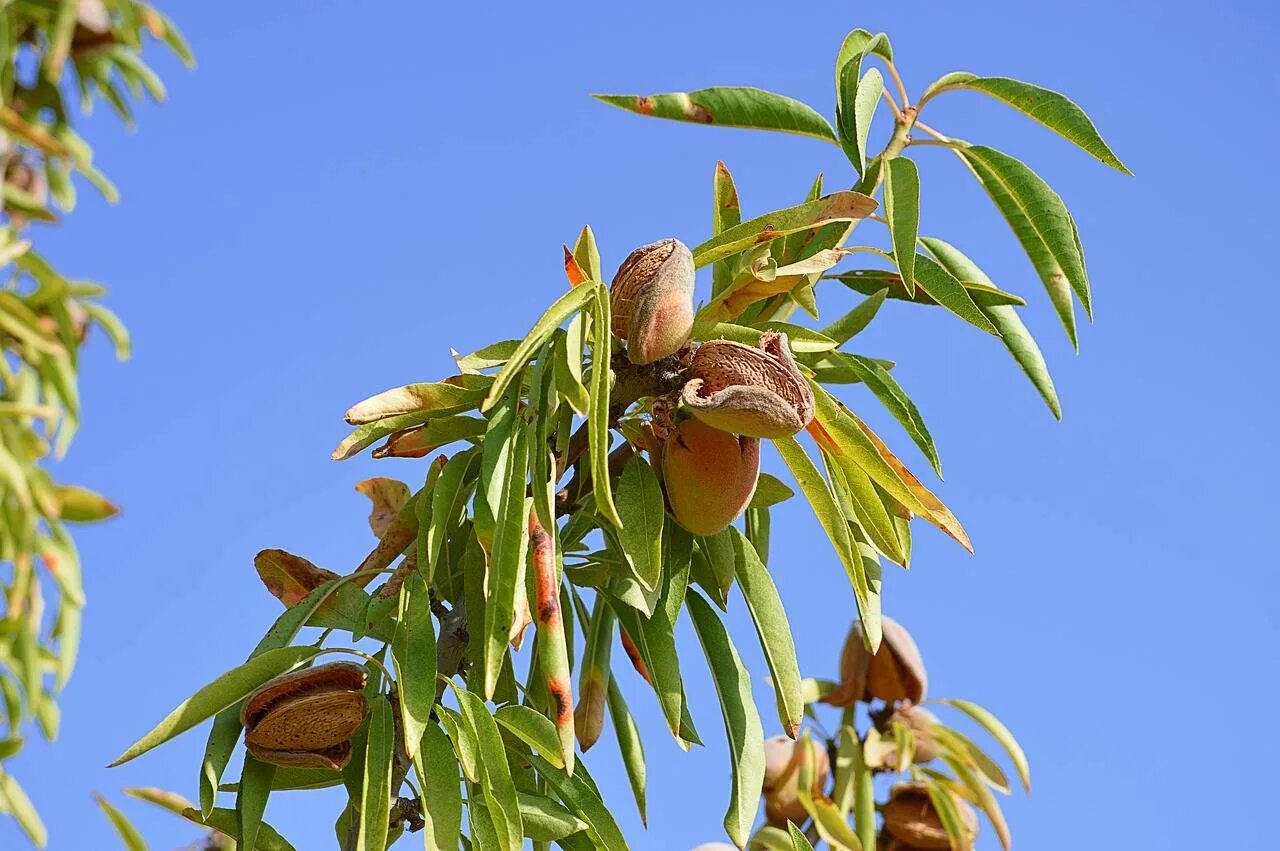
(934, 133)
(932, 142)
(897, 79)
(893, 104)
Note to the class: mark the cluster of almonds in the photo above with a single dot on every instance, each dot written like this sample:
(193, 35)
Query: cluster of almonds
(896, 676)
(736, 393)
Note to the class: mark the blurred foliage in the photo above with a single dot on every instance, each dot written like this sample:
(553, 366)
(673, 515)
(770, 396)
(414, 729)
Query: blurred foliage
(60, 57)
(579, 456)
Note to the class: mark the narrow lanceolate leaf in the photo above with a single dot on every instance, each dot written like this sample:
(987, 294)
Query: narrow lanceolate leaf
(725, 214)
(375, 788)
(1013, 333)
(593, 679)
(251, 799)
(902, 209)
(560, 310)
(741, 720)
(506, 577)
(532, 728)
(547, 820)
(438, 399)
(587, 255)
(552, 646)
(865, 101)
(827, 819)
(839, 432)
(892, 396)
(1000, 733)
(857, 496)
(774, 631)
(598, 435)
(582, 796)
(824, 505)
(800, 339)
(223, 692)
(949, 292)
(851, 324)
(413, 651)
(629, 745)
(1039, 220)
(408, 435)
(640, 506)
(14, 801)
(730, 106)
(437, 770)
(1055, 111)
(224, 821)
(799, 842)
(129, 835)
(983, 797)
(836, 207)
(944, 804)
(495, 774)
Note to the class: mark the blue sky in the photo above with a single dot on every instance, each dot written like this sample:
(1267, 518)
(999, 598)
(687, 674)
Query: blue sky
(333, 199)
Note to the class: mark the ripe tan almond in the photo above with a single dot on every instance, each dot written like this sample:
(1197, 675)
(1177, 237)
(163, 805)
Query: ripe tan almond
(909, 816)
(651, 300)
(752, 390)
(782, 756)
(895, 673)
(307, 717)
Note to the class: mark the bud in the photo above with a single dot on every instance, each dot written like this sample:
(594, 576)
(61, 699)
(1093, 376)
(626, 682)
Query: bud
(894, 673)
(909, 817)
(710, 476)
(651, 300)
(782, 757)
(756, 391)
(306, 719)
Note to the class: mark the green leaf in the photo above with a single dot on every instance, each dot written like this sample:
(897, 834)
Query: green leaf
(947, 291)
(375, 786)
(438, 399)
(413, 651)
(629, 745)
(587, 254)
(857, 496)
(463, 736)
(982, 795)
(902, 209)
(251, 799)
(437, 770)
(892, 396)
(1055, 111)
(962, 747)
(1039, 220)
(546, 820)
(770, 491)
(1000, 733)
(598, 436)
(773, 629)
(14, 800)
(507, 562)
(798, 840)
(223, 692)
(560, 310)
(799, 338)
(124, 828)
(495, 774)
(1013, 333)
(640, 506)
(534, 729)
(836, 207)
(833, 523)
(945, 805)
(730, 106)
(567, 366)
(741, 720)
(851, 324)
(583, 798)
(725, 214)
(865, 101)
(429, 429)
(224, 821)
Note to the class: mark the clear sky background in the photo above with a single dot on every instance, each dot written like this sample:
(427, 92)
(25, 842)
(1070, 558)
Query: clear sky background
(340, 192)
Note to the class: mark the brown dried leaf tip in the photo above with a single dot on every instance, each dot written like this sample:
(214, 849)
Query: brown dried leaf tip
(781, 790)
(910, 818)
(651, 300)
(710, 476)
(305, 719)
(895, 673)
(749, 390)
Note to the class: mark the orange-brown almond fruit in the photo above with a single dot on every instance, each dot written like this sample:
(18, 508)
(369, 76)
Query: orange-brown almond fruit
(710, 475)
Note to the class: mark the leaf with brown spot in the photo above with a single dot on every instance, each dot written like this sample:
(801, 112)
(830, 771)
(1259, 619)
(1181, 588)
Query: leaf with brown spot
(440, 398)
(730, 106)
(288, 577)
(387, 497)
(836, 207)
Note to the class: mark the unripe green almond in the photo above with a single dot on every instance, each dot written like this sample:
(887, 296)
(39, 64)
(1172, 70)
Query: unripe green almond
(651, 300)
(709, 475)
(756, 391)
